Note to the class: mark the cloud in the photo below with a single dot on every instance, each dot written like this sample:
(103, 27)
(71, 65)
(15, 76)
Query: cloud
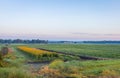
(93, 34)
(77, 33)
(111, 34)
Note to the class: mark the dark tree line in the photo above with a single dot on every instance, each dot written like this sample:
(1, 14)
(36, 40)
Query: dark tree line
(102, 42)
(46, 41)
(23, 41)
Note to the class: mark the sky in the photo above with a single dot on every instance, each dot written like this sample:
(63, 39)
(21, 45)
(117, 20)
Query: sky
(60, 19)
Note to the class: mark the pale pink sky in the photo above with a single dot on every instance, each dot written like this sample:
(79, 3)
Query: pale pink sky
(60, 19)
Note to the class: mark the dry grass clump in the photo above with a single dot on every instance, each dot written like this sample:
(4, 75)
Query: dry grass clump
(108, 77)
(50, 73)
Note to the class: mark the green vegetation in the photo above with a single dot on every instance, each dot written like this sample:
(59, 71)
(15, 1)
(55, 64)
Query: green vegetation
(15, 73)
(106, 51)
(12, 66)
(64, 66)
(86, 69)
(44, 56)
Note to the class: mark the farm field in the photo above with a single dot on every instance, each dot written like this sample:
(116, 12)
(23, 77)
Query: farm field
(105, 51)
(62, 66)
(59, 39)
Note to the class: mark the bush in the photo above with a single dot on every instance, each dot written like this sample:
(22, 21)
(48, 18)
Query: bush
(2, 63)
(1, 57)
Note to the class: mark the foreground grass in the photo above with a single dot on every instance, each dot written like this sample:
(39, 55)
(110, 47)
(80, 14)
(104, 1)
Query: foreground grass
(86, 69)
(14, 67)
(14, 73)
(106, 51)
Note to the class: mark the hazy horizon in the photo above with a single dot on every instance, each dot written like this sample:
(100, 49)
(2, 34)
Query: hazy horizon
(60, 19)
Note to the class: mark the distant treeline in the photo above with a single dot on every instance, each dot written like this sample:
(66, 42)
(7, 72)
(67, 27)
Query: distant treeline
(54, 42)
(86, 42)
(102, 42)
(22, 41)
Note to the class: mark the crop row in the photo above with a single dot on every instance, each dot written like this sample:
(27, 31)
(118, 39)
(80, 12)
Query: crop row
(37, 53)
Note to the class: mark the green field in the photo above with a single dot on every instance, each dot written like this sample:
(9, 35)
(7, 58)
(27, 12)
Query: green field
(88, 69)
(71, 69)
(106, 51)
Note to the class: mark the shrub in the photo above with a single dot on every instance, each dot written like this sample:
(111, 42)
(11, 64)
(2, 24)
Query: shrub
(2, 63)
(1, 57)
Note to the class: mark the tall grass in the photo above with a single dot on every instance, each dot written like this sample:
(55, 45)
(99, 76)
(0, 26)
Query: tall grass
(14, 73)
(87, 68)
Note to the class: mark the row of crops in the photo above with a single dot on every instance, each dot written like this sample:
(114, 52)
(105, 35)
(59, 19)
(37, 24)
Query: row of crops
(38, 54)
(42, 55)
